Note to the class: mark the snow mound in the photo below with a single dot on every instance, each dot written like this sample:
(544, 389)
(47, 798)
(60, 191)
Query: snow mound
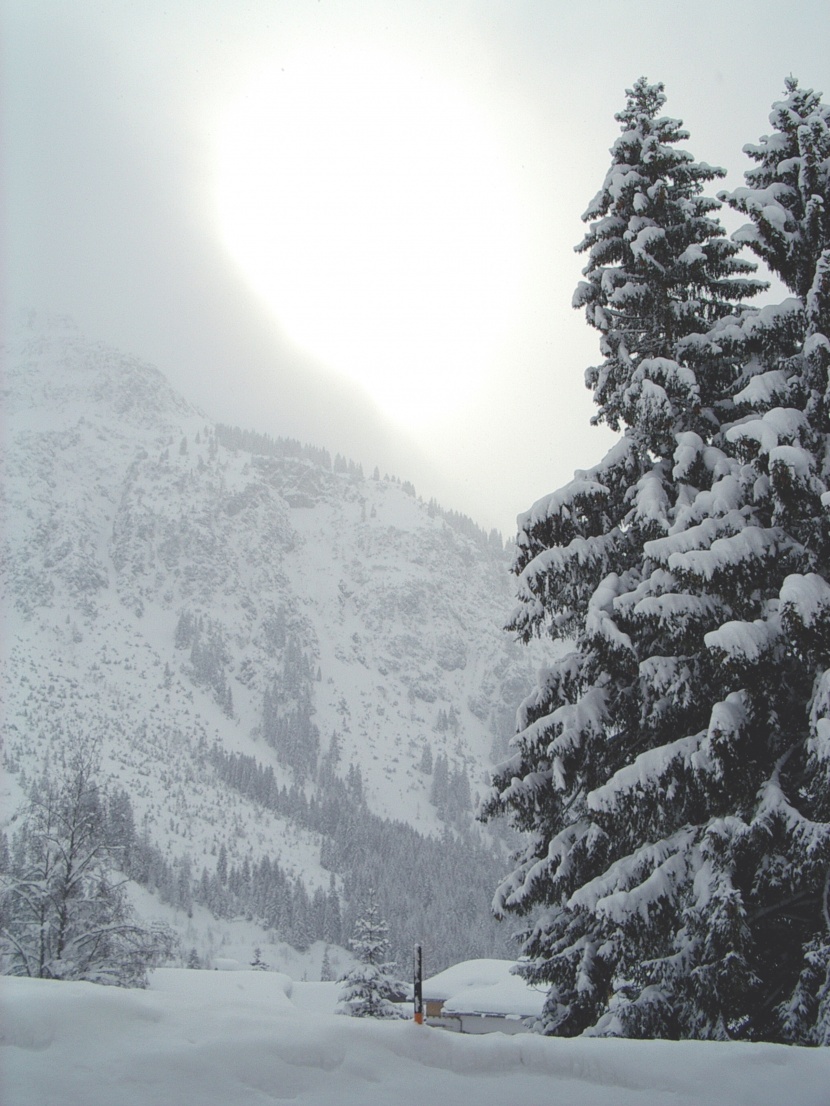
(213, 1038)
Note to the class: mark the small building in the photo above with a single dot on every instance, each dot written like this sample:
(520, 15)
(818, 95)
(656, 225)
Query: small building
(481, 996)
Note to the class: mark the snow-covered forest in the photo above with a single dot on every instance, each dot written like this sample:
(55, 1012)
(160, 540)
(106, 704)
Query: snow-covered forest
(292, 676)
(672, 767)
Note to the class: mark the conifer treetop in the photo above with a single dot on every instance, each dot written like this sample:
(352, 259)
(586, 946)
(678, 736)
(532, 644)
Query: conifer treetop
(659, 269)
(786, 193)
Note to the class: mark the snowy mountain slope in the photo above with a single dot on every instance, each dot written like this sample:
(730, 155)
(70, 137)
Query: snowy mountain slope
(169, 594)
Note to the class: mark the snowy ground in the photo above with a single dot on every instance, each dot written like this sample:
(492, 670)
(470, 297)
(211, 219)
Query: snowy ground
(249, 1038)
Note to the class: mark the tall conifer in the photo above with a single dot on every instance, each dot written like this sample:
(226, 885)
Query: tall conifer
(657, 765)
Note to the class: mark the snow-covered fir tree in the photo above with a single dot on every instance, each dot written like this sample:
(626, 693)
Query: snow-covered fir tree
(786, 194)
(367, 990)
(659, 268)
(325, 967)
(257, 963)
(671, 767)
(769, 871)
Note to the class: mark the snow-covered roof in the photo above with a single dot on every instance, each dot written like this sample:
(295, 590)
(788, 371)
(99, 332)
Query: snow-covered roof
(484, 987)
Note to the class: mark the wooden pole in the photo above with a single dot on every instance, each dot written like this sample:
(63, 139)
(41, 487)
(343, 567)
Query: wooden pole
(418, 997)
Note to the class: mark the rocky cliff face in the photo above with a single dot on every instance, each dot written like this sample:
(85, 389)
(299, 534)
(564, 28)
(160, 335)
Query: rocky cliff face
(177, 592)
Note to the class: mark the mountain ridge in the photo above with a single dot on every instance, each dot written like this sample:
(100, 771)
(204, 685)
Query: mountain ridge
(168, 594)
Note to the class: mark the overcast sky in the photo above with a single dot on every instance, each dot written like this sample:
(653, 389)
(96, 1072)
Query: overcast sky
(353, 222)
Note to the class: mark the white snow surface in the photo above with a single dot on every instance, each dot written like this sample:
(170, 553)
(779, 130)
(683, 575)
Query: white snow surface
(761, 389)
(746, 641)
(250, 1038)
(807, 596)
(779, 426)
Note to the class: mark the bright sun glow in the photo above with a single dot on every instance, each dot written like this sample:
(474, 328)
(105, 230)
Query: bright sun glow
(367, 202)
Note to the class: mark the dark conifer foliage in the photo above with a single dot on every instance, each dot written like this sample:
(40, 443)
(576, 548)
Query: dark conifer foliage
(435, 888)
(232, 437)
(671, 768)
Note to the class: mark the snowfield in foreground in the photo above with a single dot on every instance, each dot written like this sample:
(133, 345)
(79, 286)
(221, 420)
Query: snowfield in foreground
(244, 1038)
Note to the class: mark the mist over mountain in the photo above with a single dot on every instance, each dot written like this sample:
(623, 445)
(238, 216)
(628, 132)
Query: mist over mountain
(295, 675)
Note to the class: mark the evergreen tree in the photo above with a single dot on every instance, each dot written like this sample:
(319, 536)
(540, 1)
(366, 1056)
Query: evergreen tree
(425, 763)
(318, 914)
(368, 988)
(767, 867)
(786, 194)
(333, 926)
(325, 967)
(257, 963)
(742, 947)
(439, 792)
(659, 269)
(302, 934)
(671, 783)
(222, 865)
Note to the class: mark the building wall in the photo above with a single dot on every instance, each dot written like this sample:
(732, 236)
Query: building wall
(478, 1023)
